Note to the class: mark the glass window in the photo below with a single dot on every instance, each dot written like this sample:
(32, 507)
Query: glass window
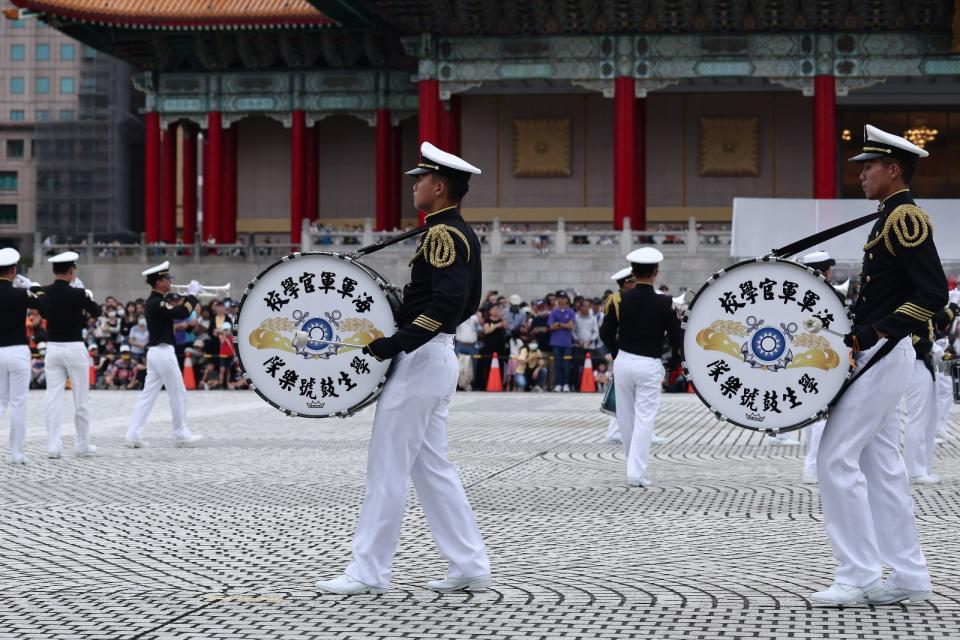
(17, 84)
(89, 53)
(68, 52)
(15, 148)
(17, 115)
(18, 24)
(67, 114)
(8, 214)
(66, 84)
(42, 115)
(41, 151)
(8, 181)
(18, 52)
(43, 84)
(43, 52)
(89, 84)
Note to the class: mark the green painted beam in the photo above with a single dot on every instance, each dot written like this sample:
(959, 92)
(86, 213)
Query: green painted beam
(348, 13)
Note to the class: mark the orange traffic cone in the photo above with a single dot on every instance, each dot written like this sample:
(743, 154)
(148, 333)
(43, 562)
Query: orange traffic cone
(494, 380)
(189, 380)
(93, 375)
(587, 382)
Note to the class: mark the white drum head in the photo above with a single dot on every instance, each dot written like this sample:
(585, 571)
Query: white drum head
(329, 297)
(750, 355)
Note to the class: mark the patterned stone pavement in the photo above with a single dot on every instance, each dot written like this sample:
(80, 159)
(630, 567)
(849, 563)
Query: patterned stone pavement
(225, 540)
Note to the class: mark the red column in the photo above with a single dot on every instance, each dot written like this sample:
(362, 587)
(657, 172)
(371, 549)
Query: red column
(453, 126)
(639, 220)
(189, 186)
(211, 177)
(396, 180)
(383, 178)
(312, 197)
(625, 120)
(824, 137)
(298, 135)
(168, 218)
(151, 186)
(228, 199)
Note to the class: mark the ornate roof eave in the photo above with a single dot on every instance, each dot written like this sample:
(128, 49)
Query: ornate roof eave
(61, 16)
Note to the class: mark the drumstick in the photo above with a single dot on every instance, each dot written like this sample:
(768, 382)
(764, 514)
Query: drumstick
(815, 325)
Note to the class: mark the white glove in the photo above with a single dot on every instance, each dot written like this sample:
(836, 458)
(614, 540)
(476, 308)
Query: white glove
(193, 288)
(954, 296)
(300, 339)
(77, 283)
(22, 282)
(936, 349)
(89, 294)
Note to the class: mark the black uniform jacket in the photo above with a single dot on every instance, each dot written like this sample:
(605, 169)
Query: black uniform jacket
(643, 319)
(65, 319)
(14, 303)
(902, 284)
(444, 288)
(161, 315)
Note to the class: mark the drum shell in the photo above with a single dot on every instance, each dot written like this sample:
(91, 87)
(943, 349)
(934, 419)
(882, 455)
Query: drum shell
(608, 404)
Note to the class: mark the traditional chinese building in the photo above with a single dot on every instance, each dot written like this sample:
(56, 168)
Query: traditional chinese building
(596, 110)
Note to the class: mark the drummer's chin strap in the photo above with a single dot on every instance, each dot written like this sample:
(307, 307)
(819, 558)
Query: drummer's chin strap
(823, 236)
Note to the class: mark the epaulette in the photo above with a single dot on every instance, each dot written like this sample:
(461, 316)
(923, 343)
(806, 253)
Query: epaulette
(908, 223)
(614, 301)
(438, 247)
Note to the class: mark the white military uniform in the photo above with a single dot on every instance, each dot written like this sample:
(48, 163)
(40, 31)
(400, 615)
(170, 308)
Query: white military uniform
(613, 427)
(409, 441)
(814, 434)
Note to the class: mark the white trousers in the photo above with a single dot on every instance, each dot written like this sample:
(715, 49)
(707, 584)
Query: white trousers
(867, 506)
(944, 401)
(162, 371)
(409, 440)
(613, 430)
(63, 360)
(638, 398)
(920, 421)
(14, 386)
(814, 433)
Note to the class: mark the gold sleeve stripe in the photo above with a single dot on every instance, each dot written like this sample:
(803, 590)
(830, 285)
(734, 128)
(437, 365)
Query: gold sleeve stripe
(428, 320)
(914, 338)
(912, 314)
(916, 309)
(438, 246)
(908, 223)
(425, 324)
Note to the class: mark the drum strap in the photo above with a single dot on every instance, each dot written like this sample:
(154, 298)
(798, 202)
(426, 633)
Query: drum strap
(823, 236)
(381, 244)
(884, 349)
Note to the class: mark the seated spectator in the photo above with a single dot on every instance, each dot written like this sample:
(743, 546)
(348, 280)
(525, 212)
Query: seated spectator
(601, 376)
(123, 372)
(38, 375)
(532, 368)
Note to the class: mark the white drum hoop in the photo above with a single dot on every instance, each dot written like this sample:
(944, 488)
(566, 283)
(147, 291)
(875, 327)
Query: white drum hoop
(840, 323)
(391, 295)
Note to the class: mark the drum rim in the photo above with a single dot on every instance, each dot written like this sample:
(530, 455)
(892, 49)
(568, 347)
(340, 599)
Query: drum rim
(236, 344)
(820, 415)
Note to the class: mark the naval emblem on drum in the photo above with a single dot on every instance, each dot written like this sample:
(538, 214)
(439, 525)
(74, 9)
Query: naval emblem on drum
(301, 328)
(763, 343)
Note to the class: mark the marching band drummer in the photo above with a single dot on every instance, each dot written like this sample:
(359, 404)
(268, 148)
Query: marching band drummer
(867, 506)
(625, 282)
(635, 338)
(66, 355)
(822, 262)
(14, 353)
(409, 438)
(162, 367)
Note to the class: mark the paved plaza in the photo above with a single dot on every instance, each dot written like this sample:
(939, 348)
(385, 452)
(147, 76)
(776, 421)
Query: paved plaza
(226, 539)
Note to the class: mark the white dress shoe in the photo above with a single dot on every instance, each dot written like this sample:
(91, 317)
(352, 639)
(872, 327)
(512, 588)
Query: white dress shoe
(186, 441)
(655, 439)
(613, 441)
(54, 455)
(19, 460)
(782, 440)
(639, 482)
(893, 595)
(89, 452)
(449, 585)
(925, 479)
(135, 444)
(809, 478)
(344, 585)
(843, 594)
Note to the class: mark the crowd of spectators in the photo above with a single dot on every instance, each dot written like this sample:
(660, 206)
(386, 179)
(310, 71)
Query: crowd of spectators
(117, 343)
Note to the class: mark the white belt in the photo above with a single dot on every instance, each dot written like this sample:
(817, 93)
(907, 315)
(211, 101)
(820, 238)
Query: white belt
(443, 338)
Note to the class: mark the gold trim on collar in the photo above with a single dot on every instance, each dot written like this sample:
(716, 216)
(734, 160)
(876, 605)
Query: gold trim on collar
(453, 206)
(893, 194)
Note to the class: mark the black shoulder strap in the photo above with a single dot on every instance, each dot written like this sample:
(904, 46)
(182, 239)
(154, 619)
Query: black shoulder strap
(823, 236)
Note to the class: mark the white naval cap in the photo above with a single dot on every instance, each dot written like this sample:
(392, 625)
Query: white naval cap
(645, 255)
(818, 257)
(626, 272)
(66, 256)
(9, 256)
(877, 143)
(157, 270)
(436, 160)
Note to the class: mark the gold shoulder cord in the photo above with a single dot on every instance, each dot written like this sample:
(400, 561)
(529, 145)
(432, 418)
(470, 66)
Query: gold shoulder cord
(613, 301)
(909, 223)
(438, 247)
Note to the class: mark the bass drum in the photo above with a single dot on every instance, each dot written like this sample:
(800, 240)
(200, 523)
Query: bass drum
(757, 347)
(331, 298)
